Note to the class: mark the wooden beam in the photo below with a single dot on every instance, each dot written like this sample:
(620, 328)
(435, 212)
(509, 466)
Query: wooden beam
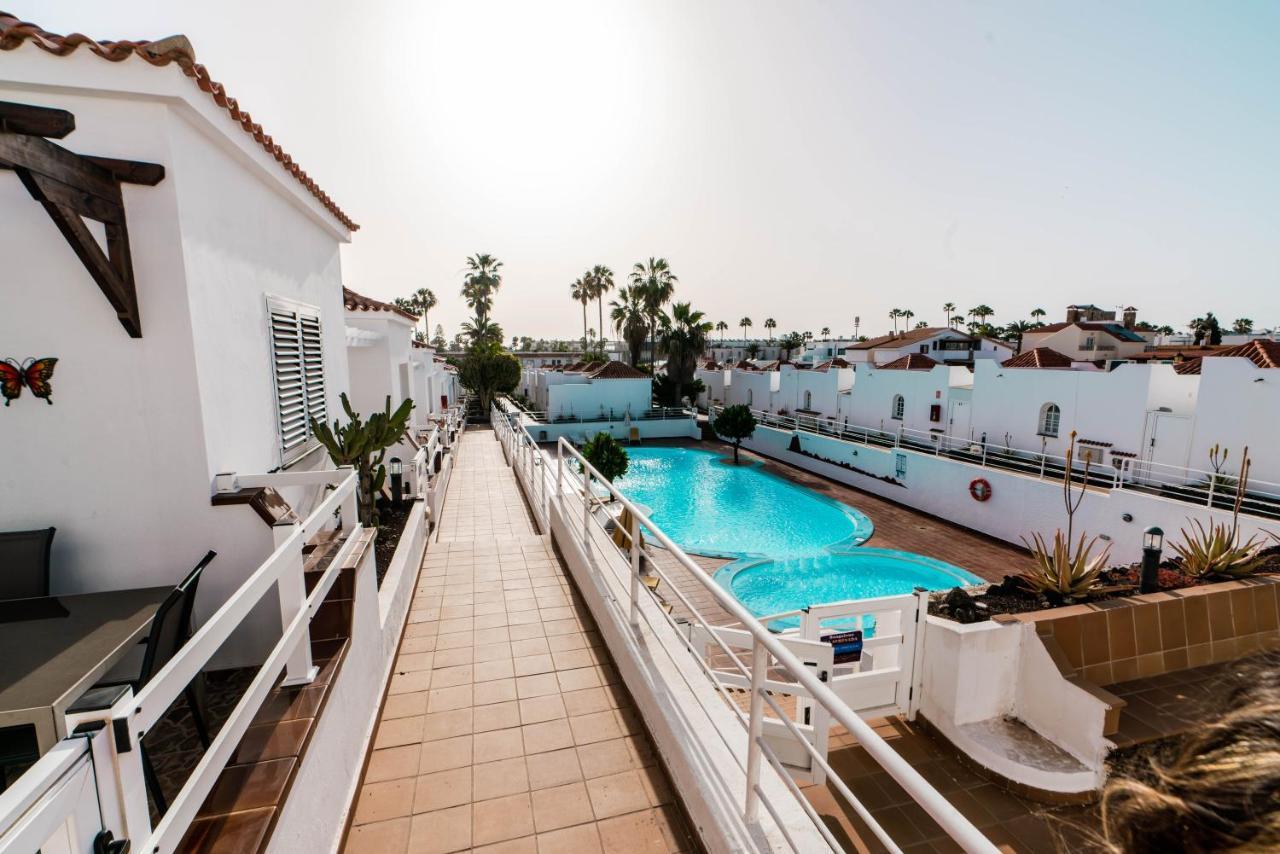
(48, 158)
(130, 171)
(36, 121)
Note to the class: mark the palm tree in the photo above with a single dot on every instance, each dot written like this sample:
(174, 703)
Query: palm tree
(656, 284)
(1206, 327)
(481, 282)
(982, 312)
(601, 284)
(1015, 330)
(950, 309)
(894, 314)
(424, 299)
(580, 291)
(826, 332)
(770, 324)
(482, 331)
(629, 319)
(684, 340)
(745, 323)
(1036, 314)
(955, 320)
(721, 326)
(1242, 326)
(907, 314)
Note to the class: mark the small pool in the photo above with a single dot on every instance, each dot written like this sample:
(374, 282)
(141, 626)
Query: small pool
(775, 586)
(712, 507)
(793, 547)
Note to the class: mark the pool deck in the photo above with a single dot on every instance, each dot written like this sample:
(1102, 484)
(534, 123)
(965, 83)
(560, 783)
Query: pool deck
(896, 527)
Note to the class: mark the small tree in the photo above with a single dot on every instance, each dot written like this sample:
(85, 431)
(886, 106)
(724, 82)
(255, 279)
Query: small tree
(363, 444)
(734, 423)
(606, 456)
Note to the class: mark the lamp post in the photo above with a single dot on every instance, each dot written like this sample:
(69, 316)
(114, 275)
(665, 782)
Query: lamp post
(396, 469)
(1152, 542)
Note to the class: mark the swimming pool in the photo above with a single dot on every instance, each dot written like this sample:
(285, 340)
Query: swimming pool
(712, 507)
(793, 547)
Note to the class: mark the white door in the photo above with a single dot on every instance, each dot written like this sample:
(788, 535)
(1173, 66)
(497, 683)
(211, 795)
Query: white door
(959, 420)
(1168, 446)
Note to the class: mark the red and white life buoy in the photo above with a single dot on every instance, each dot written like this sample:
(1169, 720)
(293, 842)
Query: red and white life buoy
(980, 489)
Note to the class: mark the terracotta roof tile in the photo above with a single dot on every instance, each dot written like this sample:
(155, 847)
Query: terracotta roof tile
(909, 336)
(178, 51)
(1039, 357)
(910, 362)
(1189, 367)
(359, 302)
(616, 370)
(1260, 351)
(1115, 330)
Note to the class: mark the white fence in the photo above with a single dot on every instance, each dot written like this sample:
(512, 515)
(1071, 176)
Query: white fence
(772, 668)
(50, 799)
(1214, 489)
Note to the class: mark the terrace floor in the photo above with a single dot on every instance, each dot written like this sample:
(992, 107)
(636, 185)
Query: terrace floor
(505, 727)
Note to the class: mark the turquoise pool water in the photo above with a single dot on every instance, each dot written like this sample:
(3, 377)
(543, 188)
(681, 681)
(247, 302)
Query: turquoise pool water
(794, 547)
(714, 508)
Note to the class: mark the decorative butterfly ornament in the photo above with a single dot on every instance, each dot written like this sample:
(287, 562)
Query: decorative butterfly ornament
(35, 374)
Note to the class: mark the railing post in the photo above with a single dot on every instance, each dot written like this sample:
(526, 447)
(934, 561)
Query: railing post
(1043, 457)
(1213, 484)
(755, 730)
(560, 474)
(635, 570)
(586, 510)
(292, 591)
(984, 454)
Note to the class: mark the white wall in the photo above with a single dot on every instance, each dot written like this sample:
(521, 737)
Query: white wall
(588, 398)
(872, 398)
(1238, 405)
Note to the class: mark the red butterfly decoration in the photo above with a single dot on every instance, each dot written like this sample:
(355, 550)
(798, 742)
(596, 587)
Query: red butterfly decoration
(34, 373)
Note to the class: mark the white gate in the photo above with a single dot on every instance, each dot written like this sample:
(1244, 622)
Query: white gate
(882, 678)
(1168, 441)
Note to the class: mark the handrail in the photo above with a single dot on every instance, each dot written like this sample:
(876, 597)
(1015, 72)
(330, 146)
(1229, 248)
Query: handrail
(516, 439)
(38, 784)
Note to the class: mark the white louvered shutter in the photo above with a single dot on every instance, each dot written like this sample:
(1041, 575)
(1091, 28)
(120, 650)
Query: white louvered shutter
(297, 357)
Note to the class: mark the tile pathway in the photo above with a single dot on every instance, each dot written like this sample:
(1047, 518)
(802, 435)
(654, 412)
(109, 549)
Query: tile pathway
(505, 727)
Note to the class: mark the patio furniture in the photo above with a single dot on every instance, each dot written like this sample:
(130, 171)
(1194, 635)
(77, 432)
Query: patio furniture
(24, 563)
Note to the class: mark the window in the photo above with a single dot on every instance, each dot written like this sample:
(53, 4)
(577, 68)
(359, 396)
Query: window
(899, 407)
(924, 348)
(297, 361)
(808, 400)
(1088, 343)
(750, 396)
(1050, 419)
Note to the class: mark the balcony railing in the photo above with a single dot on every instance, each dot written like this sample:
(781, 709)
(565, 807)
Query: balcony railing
(657, 413)
(570, 484)
(92, 782)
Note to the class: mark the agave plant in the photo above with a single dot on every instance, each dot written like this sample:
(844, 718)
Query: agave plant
(1217, 550)
(1059, 571)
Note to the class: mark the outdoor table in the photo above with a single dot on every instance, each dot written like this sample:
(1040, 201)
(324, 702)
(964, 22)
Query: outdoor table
(53, 648)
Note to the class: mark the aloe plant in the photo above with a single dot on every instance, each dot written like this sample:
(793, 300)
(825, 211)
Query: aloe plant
(1216, 550)
(363, 444)
(1068, 573)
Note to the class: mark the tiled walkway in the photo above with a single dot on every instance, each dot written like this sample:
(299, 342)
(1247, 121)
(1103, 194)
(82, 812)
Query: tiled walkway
(505, 728)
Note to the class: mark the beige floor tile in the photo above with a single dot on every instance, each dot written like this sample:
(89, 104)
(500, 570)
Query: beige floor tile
(393, 763)
(597, 726)
(382, 801)
(399, 731)
(526, 845)
(404, 706)
(444, 754)
(487, 671)
(580, 839)
(498, 691)
(443, 789)
(446, 699)
(441, 832)
(409, 662)
(617, 794)
(538, 709)
(446, 724)
(647, 832)
(496, 716)
(561, 806)
(537, 686)
(586, 701)
(556, 768)
(499, 819)
(546, 736)
(576, 680)
(499, 779)
(499, 744)
(602, 758)
(382, 837)
(531, 664)
(532, 646)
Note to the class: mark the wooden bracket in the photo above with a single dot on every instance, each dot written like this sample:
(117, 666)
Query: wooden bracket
(73, 187)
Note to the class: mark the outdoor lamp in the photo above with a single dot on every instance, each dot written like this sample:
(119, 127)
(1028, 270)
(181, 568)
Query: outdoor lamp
(396, 469)
(1152, 542)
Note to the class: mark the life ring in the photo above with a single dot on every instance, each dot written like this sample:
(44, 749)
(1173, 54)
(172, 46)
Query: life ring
(980, 489)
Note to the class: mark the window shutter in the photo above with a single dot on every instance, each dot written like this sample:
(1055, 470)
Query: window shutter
(297, 358)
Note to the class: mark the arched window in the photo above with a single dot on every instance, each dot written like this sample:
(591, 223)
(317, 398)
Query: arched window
(808, 400)
(750, 396)
(899, 407)
(1050, 419)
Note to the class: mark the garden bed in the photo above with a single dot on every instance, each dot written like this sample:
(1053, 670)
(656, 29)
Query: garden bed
(1012, 596)
(391, 521)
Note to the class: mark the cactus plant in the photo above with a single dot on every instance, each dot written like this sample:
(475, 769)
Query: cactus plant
(363, 444)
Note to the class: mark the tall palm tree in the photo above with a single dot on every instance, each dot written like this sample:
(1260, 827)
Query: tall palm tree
(601, 284)
(894, 314)
(656, 284)
(955, 320)
(721, 326)
(482, 331)
(771, 325)
(1242, 325)
(580, 291)
(627, 313)
(1015, 331)
(424, 299)
(981, 312)
(907, 314)
(684, 340)
(745, 323)
(482, 280)
(826, 332)
(950, 309)
(1036, 314)
(1206, 327)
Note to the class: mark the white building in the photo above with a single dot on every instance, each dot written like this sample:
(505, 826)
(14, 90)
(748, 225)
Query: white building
(223, 334)
(940, 343)
(1087, 340)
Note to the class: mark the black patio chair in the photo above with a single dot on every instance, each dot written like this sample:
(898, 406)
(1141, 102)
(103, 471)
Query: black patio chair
(24, 558)
(170, 629)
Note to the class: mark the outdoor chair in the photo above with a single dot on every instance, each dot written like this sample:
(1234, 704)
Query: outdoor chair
(24, 559)
(170, 629)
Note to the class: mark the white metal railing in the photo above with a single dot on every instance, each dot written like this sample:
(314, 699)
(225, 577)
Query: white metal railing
(1182, 483)
(657, 413)
(54, 805)
(116, 733)
(572, 484)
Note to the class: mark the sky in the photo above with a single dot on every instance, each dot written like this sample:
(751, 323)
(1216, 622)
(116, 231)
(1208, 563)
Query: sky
(806, 161)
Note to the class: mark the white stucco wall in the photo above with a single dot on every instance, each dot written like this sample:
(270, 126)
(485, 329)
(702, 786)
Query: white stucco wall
(1238, 405)
(589, 398)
